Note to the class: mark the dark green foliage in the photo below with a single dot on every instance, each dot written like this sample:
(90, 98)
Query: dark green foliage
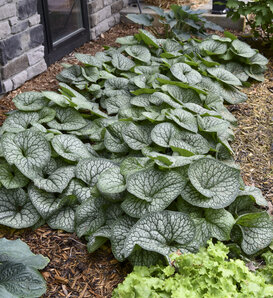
(180, 22)
(259, 16)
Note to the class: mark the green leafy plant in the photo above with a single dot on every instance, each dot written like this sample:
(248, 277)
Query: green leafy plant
(266, 271)
(208, 273)
(137, 137)
(19, 275)
(180, 22)
(258, 14)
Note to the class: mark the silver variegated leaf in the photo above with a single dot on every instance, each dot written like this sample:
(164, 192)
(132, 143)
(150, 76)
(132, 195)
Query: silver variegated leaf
(209, 223)
(111, 181)
(27, 150)
(57, 181)
(185, 73)
(16, 209)
(11, 177)
(139, 52)
(113, 138)
(121, 62)
(131, 165)
(257, 231)
(183, 118)
(137, 136)
(30, 101)
(119, 233)
(67, 119)
(213, 184)
(163, 232)
(89, 216)
(88, 170)
(70, 147)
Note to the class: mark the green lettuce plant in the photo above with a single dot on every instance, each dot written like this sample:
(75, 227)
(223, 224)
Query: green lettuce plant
(135, 149)
(19, 275)
(209, 273)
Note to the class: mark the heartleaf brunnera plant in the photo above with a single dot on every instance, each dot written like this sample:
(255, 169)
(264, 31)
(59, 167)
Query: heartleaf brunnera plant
(135, 149)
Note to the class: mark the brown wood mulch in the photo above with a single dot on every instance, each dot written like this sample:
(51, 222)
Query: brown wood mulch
(72, 272)
(166, 4)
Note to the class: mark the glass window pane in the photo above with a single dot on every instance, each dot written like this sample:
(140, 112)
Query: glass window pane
(65, 17)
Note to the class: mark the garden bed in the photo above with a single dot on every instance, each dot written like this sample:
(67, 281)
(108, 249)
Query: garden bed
(73, 272)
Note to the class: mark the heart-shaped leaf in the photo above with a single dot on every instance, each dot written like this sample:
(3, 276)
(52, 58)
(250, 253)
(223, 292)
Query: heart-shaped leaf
(214, 184)
(18, 270)
(139, 52)
(131, 165)
(185, 73)
(224, 76)
(163, 133)
(30, 101)
(19, 121)
(163, 232)
(27, 150)
(89, 60)
(67, 119)
(257, 231)
(187, 143)
(137, 136)
(119, 233)
(88, 170)
(209, 222)
(242, 49)
(16, 210)
(213, 47)
(64, 218)
(151, 184)
(121, 62)
(57, 181)
(11, 177)
(113, 138)
(182, 95)
(113, 104)
(183, 118)
(70, 147)
(111, 181)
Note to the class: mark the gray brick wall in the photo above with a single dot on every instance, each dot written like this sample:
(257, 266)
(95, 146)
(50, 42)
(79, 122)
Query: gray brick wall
(104, 14)
(21, 36)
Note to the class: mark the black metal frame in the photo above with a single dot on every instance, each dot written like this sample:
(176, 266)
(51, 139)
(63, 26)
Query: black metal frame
(219, 7)
(55, 51)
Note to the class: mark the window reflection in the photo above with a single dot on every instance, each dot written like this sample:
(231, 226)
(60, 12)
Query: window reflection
(65, 18)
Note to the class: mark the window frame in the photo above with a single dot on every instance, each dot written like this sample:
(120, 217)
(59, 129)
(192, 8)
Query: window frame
(55, 51)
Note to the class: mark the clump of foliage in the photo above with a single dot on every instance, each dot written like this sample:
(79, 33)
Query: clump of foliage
(208, 273)
(19, 275)
(180, 22)
(135, 149)
(258, 14)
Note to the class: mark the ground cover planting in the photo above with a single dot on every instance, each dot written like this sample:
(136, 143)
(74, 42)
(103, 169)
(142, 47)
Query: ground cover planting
(135, 148)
